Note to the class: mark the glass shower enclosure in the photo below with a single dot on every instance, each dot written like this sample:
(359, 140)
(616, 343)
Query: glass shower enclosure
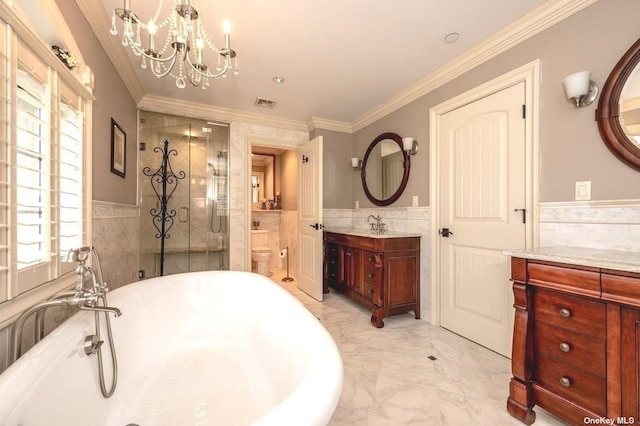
(184, 195)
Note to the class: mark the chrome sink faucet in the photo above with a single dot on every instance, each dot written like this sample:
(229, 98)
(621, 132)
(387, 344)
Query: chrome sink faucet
(378, 227)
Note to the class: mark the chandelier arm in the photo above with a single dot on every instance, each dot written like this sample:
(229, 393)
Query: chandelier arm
(144, 53)
(207, 74)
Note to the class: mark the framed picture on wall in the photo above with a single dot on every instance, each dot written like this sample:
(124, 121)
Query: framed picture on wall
(118, 149)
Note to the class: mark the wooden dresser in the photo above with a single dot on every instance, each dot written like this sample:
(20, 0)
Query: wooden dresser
(576, 339)
(381, 272)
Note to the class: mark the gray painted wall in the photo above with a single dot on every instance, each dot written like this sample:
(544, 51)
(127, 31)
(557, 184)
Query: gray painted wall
(337, 150)
(570, 146)
(112, 100)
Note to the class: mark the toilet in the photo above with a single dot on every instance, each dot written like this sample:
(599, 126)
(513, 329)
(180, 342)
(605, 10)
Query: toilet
(260, 251)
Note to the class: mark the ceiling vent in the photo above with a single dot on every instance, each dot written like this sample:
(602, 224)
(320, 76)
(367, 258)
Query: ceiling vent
(265, 103)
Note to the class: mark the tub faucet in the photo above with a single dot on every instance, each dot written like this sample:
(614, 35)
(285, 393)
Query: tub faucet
(115, 311)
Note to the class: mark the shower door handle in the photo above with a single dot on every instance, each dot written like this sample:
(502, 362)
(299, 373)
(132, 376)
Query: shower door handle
(183, 214)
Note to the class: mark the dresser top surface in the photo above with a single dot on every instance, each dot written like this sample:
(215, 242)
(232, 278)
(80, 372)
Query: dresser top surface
(597, 258)
(371, 234)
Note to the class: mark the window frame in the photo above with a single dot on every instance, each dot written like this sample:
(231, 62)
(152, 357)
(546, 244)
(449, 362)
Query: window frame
(78, 83)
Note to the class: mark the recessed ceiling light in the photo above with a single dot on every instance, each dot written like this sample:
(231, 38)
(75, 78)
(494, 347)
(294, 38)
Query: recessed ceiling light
(278, 79)
(451, 38)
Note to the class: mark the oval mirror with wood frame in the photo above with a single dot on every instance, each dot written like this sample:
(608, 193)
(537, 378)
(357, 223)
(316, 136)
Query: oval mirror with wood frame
(618, 113)
(385, 169)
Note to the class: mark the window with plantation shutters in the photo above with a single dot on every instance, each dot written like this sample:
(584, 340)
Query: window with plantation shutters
(5, 168)
(45, 117)
(32, 198)
(70, 174)
(45, 184)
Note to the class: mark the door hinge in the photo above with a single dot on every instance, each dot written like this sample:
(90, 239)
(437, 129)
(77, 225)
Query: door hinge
(524, 111)
(305, 159)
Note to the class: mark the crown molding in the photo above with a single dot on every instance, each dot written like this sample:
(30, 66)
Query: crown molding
(326, 124)
(544, 16)
(95, 14)
(210, 112)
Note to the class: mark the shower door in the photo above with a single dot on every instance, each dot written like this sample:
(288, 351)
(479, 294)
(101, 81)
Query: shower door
(184, 195)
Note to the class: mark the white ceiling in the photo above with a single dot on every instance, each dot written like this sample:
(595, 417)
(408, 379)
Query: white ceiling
(340, 59)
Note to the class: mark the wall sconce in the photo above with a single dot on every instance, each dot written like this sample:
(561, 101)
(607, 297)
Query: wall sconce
(410, 145)
(356, 163)
(581, 90)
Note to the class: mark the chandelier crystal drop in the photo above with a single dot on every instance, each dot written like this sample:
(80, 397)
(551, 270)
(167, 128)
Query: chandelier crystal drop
(182, 52)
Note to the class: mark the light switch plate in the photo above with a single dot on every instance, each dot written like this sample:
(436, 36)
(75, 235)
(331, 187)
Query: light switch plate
(357, 204)
(415, 201)
(583, 190)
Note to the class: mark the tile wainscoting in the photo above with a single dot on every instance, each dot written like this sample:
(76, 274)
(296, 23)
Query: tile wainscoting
(396, 219)
(116, 236)
(608, 225)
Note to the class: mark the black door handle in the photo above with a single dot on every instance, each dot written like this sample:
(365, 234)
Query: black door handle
(445, 232)
(524, 214)
(317, 226)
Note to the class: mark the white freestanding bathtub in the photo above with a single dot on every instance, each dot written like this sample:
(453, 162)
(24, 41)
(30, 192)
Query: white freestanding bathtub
(215, 348)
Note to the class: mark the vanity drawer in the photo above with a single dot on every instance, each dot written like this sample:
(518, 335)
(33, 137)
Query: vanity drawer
(579, 386)
(584, 281)
(369, 269)
(621, 288)
(370, 274)
(575, 349)
(570, 312)
(367, 290)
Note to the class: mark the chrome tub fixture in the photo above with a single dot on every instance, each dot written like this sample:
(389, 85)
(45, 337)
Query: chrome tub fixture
(90, 294)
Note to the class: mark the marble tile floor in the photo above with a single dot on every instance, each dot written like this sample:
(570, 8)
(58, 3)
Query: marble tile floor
(390, 381)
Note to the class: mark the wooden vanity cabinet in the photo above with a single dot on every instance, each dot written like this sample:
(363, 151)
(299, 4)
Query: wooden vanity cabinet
(576, 342)
(382, 274)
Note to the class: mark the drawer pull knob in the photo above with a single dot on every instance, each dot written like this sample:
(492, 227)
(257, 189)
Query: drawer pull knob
(370, 291)
(565, 313)
(349, 253)
(564, 347)
(564, 381)
(371, 259)
(370, 275)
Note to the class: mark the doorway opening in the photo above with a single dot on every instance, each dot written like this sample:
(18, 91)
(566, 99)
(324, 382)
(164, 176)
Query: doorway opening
(273, 180)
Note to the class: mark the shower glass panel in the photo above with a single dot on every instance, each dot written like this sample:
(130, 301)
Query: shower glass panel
(184, 190)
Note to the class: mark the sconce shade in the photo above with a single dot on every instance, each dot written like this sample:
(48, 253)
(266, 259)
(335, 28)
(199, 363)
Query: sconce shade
(407, 143)
(354, 162)
(410, 145)
(577, 84)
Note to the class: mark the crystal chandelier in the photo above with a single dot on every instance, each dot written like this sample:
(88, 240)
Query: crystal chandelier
(184, 45)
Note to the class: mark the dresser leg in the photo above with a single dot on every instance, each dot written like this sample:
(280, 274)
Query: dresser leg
(376, 318)
(518, 404)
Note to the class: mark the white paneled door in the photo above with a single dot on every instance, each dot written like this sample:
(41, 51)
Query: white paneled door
(482, 197)
(310, 218)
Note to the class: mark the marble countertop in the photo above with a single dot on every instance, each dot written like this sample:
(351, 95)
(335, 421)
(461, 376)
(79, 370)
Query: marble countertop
(597, 258)
(371, 234)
